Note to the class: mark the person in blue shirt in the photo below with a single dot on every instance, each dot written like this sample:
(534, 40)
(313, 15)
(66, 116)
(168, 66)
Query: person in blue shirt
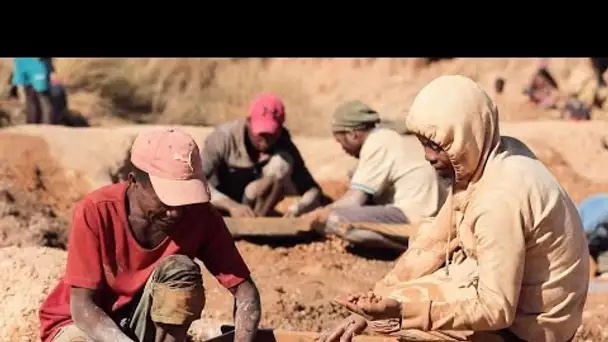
(32, 77)
(594, 213)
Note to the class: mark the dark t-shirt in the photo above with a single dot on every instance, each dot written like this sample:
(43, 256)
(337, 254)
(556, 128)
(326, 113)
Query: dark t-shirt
(103, 255)
(228, 165)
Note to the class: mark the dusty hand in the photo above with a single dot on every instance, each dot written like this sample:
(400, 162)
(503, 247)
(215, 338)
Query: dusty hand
(344, 331)
(371, 307)
(289, 214)
(318, 215)
(292, 211)
(241, 210)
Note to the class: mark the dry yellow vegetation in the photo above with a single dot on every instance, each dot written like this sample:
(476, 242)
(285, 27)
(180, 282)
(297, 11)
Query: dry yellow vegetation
(210, 91)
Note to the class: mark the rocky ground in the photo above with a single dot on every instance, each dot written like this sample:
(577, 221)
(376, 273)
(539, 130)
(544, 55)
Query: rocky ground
(45, 170)
(296, 285)
(297, 282)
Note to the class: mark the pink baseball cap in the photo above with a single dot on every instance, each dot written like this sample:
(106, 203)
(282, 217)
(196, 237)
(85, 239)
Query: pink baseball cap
(171, 157)
(267, 114)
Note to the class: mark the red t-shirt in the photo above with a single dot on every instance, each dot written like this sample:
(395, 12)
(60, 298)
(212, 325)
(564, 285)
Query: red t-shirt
(103, 255)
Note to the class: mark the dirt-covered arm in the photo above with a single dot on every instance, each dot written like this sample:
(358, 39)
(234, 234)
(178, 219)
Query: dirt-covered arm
(221, 201)
(426, 252)
(92, 320)
(213, 154)
(247, 311)
(498, 225)
(84, 273)
(309, 201)
(353, 197)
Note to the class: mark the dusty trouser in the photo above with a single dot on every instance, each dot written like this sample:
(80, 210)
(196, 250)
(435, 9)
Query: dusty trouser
(171, 300)
(39, 106)
(264, 193)
(439, 286)
(339, 218)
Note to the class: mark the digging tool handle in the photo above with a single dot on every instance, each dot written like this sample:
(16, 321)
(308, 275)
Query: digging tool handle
(278, 226)
(266, 226)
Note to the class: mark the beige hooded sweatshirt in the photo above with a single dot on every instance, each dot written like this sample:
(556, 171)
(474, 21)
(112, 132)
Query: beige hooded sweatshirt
(512, 225)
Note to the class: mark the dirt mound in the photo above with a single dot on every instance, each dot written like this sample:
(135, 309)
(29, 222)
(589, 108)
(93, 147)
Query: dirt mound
(92, 155)
(24, 221)
(29, 162)
(36, 195)
(47, 169)
(97, 153)
(56, 166)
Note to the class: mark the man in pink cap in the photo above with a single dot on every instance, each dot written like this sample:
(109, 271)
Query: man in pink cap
(252, 163)
(130, 273)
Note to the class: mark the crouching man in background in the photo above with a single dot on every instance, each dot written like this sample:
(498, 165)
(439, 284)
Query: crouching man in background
(251, 164)
(130, 273)
(392, 183)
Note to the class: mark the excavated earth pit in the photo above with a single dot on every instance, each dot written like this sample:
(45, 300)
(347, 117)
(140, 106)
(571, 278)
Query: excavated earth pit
(38, 191)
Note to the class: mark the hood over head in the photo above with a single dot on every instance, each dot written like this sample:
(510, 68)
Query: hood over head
(456, 114)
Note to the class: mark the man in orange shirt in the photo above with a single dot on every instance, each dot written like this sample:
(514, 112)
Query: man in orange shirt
(130, 274)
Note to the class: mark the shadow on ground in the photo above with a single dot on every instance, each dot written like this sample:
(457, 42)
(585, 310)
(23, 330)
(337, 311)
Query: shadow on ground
(309, 238)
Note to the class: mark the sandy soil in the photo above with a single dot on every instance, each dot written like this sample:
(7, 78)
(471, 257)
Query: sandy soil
(45, 170)
(296, 290)
(594, 319)
(25, 283)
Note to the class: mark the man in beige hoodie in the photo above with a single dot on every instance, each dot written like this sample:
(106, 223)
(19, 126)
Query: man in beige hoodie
(506, 259)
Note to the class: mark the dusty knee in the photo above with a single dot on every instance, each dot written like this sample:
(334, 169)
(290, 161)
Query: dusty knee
(276, 172)
(251, 190)
(178, 296)
(338, 225)
(335, 224)
(279, 166)
(259, 187)
(177, 268)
